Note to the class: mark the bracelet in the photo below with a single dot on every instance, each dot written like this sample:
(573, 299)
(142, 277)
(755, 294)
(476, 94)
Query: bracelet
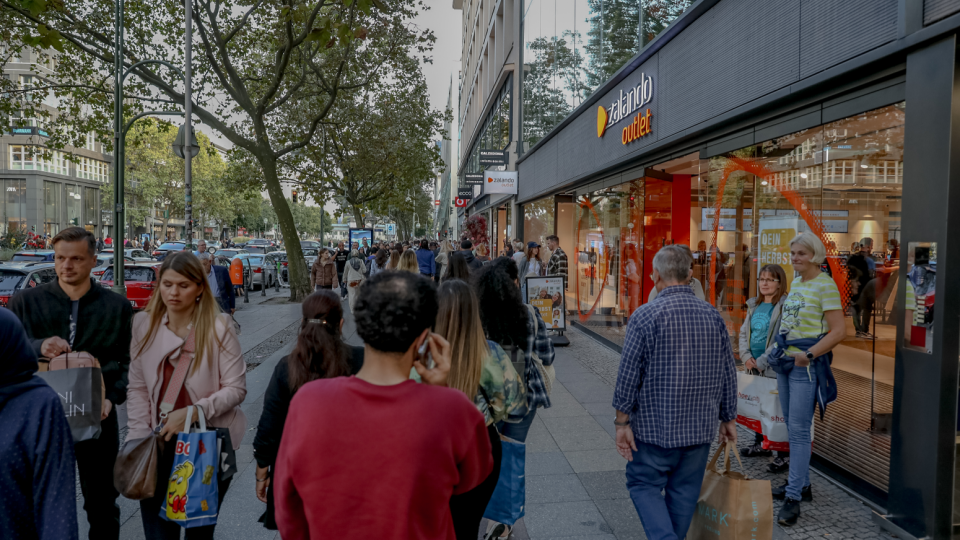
(621, 424)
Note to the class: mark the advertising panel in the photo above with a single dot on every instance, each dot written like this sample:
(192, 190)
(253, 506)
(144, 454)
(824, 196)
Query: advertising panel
(546, 294)
(500, 182)
(359, 235)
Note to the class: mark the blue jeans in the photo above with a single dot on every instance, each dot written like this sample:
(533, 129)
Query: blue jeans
(798, 395)
(678, 472)
(517, 431)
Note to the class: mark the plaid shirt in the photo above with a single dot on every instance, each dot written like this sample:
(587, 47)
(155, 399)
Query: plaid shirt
(557, 265)
(538, 342)
(677, 374)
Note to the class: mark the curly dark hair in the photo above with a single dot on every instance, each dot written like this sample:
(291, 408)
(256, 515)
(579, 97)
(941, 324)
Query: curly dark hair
(393, 309)
(502, 312)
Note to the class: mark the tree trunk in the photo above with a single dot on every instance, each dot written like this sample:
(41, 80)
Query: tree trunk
(296, 264)
(358, 215)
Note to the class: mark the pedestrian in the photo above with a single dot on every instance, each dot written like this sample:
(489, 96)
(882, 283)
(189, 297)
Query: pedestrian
(810, 327)
(457, 268)
(73, 313)
(483, 372)
(99, 244)
(354, 276)
(483, 254)
(379, 263)
(341, 261)
(443, 257)
(863, 269)
(557, 265)
(530, 263)
(519, 250)
(201, 248)
(146, 244)
(694, 283)
(38, 474)
(426, 263)
(523, 335)
(466, 249)
(757, 338)
(320, 353)
(394, 262)
(323, 272)
(183, 316)
(408, 262)
(677, 377)
(508, 249)
(220, 285)
(378, 455)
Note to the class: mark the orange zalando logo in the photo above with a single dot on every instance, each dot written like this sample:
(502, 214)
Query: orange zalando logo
(640, 127)
(602, 118)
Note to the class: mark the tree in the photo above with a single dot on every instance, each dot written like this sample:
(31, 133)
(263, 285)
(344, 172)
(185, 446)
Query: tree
(266, 73)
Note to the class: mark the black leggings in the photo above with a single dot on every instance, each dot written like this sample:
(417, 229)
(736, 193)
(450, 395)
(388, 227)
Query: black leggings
(467, 508)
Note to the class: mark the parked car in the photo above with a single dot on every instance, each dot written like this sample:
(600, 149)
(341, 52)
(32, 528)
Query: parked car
(229, 253)
(256, 265)
(17, 276)
(138, 255)
(168, 246)
(260, 249)
(38, 255)
(140, 280)
(105, 260)
(309, 244)
(259, 242)
(281, 257)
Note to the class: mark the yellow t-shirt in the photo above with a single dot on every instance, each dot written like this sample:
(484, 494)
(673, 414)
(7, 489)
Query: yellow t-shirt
(802, 315)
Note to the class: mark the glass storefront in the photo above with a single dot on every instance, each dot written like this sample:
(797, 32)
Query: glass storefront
(73, 197)
(90, 212)
(51, 208)
(13, 212)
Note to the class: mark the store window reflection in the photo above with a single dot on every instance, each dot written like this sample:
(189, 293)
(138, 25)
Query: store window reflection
(539, 218)
(13, 211)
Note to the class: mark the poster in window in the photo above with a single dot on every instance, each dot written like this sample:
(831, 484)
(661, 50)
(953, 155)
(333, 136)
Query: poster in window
(546, 294)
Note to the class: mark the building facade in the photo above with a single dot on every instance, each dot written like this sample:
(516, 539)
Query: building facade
(742, 123)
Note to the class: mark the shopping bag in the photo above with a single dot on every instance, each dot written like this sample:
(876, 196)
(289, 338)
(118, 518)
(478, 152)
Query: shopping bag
(775, 436)
(81, 393)
(731, 505)
(192, 492)
(749, 390)
(507, 503)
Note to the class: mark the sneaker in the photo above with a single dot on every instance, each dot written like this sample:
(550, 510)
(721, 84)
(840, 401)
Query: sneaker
(780, 493)
(756, 450)
(779, 465)
(789, 513)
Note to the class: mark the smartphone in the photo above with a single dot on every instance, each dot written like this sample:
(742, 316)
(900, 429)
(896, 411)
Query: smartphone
(424, 355)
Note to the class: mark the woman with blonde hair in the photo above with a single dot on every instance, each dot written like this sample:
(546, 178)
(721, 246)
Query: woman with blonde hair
(443, 258)
(408, 262)
(394, 261)
(183, 338)
(483, 254)
(482, 370)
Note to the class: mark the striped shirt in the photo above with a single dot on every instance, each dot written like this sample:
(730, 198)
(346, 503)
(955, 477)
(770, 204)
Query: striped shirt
(804, 308)
(677, 375)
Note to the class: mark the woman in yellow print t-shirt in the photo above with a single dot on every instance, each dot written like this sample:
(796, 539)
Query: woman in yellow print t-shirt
(813, 308)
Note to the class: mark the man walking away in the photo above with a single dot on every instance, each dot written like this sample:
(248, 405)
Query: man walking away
(341, 260)
(466, 248)
(75, 314)
(557, 265)
(219, 279)
(677, 378)
(394, 451)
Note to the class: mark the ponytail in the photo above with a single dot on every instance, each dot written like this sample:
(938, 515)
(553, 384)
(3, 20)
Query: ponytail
(320, 353)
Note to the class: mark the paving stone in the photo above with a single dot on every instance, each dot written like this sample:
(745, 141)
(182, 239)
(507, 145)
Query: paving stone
(622, 516)
(567, 519)
(602, 485)
(596, 460)
(555, 488)
(591, 392)
(539, 439)
(539, 463)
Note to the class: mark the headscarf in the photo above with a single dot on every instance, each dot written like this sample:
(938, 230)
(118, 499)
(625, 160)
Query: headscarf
(18, 360)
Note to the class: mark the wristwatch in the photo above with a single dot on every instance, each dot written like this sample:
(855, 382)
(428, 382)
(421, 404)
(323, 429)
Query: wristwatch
(809, 355)
(620, 424)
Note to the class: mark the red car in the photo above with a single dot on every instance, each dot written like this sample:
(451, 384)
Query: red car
(140, 280)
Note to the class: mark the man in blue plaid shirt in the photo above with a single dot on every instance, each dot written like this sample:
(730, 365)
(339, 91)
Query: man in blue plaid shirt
(677, 379)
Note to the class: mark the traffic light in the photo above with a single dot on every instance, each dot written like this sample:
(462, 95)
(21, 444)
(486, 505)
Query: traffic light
(294, 195)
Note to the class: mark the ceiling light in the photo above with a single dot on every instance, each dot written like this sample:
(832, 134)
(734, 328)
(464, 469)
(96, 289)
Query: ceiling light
(763, 183)
(803, 175)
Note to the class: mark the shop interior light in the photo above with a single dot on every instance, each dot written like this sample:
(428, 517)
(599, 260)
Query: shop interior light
(803, 175)
(764, 183)
(863, 164)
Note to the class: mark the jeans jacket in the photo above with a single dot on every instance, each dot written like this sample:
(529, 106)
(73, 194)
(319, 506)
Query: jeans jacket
(745, 354)
(783, 364)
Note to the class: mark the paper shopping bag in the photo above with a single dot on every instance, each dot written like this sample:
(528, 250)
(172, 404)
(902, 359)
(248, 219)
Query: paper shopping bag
(192, 492)
(507, 503)
(749, 390)
(732, 506)
(81, 393)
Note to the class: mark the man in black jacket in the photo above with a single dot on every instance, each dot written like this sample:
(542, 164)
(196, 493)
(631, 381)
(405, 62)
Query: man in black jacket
(466, 248)
(340, 259)
(74, 313)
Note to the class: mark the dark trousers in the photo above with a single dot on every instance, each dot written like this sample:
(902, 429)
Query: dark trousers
(95, 460)
(467, 508)
(157, 528)
(664, 484)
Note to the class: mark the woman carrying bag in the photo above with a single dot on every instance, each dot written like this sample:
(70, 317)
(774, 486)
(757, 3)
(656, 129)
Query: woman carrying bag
(354, 274)
(481, 370)
(320, 353)
(757, 336)
(182, 339)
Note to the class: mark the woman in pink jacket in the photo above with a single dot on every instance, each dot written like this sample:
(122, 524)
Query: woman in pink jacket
(183, 312)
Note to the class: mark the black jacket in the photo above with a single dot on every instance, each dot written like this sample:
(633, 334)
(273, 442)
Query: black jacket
(276, 404)
(103, 330)
(227, 298)
(341, 259)
(472, 261)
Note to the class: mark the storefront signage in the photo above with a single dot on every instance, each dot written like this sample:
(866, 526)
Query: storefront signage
(493, 157)
(640, 127)
(633, 100)
(546, 294)
(106, 217)
(473, 179)
(460, 203)
(500, 182)
(465, 193)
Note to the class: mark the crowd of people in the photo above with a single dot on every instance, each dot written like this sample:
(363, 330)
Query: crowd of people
(414, 425)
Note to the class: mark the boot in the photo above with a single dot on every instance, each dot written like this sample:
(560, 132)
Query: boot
(780, 493)
(779, 465)
(789, 513)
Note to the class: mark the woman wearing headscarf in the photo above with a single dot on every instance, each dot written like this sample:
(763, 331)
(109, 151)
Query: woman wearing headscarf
(38, 473)
(354, 274)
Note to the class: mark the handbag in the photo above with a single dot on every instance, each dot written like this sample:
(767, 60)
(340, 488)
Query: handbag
(135, 471)
(193, 491)
(509, 497)
(77, 379)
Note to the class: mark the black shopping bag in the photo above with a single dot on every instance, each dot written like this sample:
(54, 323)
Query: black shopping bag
(80, 393)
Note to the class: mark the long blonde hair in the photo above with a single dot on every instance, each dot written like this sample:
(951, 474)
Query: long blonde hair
(408, 262)
(205, 314)
(458, 321)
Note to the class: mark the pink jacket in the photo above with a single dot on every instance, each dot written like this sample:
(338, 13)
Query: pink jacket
(219, 386)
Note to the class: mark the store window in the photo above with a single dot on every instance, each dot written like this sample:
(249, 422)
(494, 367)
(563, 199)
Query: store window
(843, 182)
(539, 220)
(13, 212)
(30, 158)
(51, 208)
(73, 197)
(91, 216)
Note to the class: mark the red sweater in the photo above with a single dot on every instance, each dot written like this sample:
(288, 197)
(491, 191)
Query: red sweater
(364, 461)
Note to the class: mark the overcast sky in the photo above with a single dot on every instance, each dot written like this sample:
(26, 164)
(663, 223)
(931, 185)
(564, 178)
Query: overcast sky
(446, 24)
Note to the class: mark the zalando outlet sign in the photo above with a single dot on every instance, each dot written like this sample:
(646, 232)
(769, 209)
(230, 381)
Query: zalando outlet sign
(630, 101)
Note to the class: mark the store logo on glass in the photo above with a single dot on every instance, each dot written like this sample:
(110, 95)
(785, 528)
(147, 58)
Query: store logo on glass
(630, 102)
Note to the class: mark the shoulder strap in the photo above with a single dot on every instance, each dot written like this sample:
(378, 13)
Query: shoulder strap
(179, 375)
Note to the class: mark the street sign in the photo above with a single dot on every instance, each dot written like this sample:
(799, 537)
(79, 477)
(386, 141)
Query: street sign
(437, 202)
(493, 157)
(465, 193)
(460, 203)
(391, 229)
